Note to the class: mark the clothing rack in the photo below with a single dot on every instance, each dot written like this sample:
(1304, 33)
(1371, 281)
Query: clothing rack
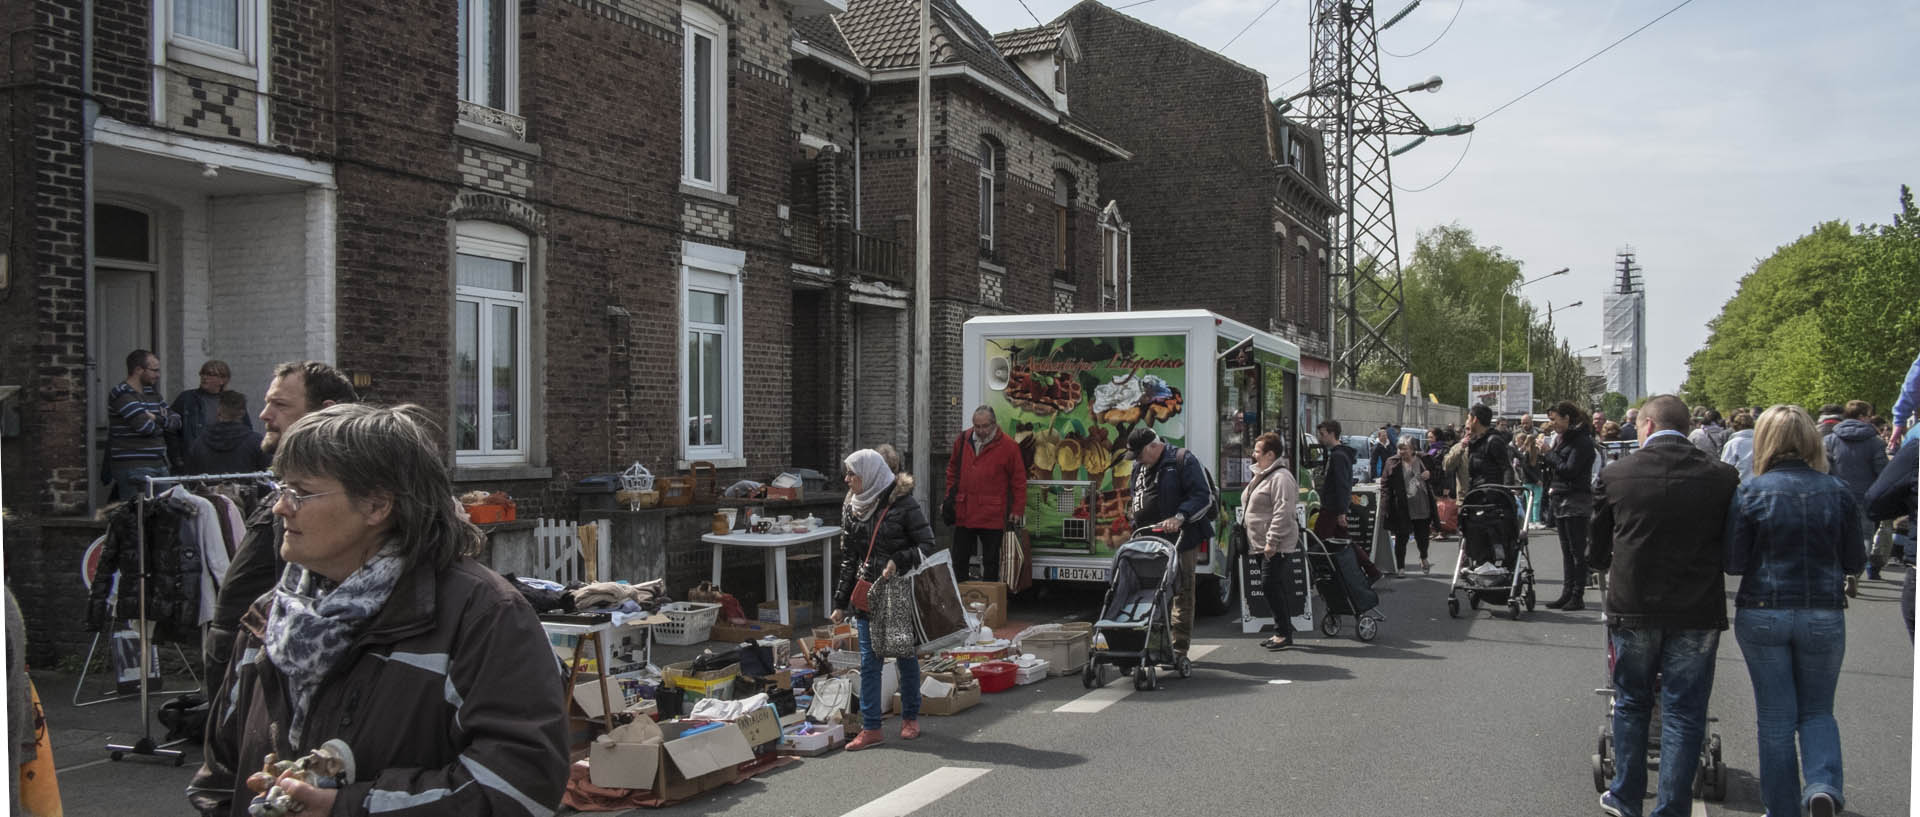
(145, 745)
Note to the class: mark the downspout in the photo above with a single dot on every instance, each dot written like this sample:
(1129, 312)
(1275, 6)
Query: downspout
(89, 111)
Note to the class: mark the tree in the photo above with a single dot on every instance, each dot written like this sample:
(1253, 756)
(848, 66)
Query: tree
(1830, 317)
(1614, 404)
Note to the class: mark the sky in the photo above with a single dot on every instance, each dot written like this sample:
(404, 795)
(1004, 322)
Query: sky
(1705, 142)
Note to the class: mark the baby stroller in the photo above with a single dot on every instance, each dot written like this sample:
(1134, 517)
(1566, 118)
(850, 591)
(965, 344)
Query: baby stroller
(1709, 781)
(1136, 628)
(1494, 512)
(1343, 587)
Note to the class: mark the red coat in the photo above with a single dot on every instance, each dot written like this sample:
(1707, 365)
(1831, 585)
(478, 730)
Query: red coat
(987, 487)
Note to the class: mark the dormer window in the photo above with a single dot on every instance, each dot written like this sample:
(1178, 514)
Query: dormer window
(1059, 72)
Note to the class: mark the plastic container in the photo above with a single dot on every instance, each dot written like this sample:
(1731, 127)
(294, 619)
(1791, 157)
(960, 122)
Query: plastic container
(596, 493)
(1065, 651)
(996, 676)
(688, 622)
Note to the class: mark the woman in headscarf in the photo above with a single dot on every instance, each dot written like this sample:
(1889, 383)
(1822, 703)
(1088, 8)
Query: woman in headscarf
(382, 633)
(887, 534)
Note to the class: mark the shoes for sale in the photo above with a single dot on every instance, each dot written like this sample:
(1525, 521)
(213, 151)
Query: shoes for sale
(910, 730)
(866, 739)
(1821, 805)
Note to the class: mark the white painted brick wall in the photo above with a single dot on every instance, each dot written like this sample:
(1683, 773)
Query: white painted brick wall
(259, 285)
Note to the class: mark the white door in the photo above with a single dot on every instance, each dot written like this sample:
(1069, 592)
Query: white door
(123, 322)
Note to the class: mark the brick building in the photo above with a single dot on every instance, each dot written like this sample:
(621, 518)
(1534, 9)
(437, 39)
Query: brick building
(1226, 196)
(1019, 222)
(455, 202)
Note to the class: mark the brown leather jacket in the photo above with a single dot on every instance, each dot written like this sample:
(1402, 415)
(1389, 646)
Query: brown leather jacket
(451, 700)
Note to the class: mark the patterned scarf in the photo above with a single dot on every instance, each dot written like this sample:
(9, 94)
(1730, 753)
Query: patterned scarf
(312, 626)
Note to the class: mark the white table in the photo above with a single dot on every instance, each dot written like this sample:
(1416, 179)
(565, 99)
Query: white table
(776, 572)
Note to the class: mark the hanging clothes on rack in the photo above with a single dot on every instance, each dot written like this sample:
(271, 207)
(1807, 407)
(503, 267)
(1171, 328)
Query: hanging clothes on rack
(173, 571)
(201, 530)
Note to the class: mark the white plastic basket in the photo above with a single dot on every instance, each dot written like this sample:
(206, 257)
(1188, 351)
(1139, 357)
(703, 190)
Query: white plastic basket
(688, 622)
(636, 478)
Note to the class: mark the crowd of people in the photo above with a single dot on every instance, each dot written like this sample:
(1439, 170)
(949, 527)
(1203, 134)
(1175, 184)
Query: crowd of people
(205, 430)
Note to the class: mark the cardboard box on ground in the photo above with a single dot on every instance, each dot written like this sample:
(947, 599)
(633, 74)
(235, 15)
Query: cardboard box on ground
(675, 760)
(944, 693)
(991, 596)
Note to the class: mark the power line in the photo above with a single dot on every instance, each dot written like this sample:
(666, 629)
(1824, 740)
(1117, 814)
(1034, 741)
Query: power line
(1249, 26)
(1436, 40)
(1036, 17)
(1131, 5)
(1443, 177)
(1590, 58)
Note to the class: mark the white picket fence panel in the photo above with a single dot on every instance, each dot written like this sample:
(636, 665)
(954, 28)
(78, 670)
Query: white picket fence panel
(557, 554)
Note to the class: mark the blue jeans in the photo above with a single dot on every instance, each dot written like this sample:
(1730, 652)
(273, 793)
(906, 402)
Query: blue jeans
(872, 706)
(131, 478)
(1793, 657)
(1683, 660)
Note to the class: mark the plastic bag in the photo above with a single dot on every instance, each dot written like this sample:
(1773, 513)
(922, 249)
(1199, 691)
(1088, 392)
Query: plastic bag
(940, 617)
(890, 618)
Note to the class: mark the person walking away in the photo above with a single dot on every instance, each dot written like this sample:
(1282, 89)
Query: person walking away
(1711, 436)
(1569, 475)
(1659, 530)
(1893, 499)
(385, 633)
(1738, 452)
(138, 423)
(1483, 457)
(1857, 456)
(1272, 502)
(199, 408)
(1171, 492)
(1794, 535)
(986, 493)
(297, 390)
(1408, 504)
(1335, 483)
(229, 446)
(887, 534)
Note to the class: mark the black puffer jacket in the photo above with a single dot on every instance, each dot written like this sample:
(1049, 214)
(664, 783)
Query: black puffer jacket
(1570, 463)
(905, 537)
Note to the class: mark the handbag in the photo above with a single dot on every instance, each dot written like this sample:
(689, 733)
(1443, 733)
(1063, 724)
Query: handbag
(1015, 555)
(862, 587)
(890, 621)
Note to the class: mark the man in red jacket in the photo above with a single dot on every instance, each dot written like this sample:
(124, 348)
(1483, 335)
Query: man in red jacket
(986, 492)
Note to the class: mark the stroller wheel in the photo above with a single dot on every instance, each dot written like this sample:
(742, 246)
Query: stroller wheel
(1366, 628)
(1329, 624)
(1514, 606)
(1529, 596)
(1473, 599)
(1090, 677)
(1143, 678)
(1453, 607)
(1185, 667)
(1599, 774)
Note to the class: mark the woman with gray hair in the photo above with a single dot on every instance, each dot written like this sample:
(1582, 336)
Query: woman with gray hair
(383, 634)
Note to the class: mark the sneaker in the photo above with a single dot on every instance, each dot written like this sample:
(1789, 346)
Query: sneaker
(866, 739)
(1610, 805)
(1821, 805)
(909, 729)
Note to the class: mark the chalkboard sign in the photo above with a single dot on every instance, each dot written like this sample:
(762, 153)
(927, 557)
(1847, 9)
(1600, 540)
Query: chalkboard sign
(1257, 610)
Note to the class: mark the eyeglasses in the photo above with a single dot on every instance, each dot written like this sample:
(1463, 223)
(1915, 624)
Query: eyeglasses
(295, 499)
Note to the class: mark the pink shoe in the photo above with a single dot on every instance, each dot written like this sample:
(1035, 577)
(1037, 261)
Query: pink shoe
(866, 738)
(910, 730)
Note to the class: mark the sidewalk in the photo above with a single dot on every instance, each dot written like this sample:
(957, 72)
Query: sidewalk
(90, 782)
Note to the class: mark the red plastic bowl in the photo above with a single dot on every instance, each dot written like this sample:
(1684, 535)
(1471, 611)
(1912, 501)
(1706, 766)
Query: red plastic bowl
(995, 676)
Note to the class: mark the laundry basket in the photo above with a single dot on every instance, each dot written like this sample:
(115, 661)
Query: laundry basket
(688, 622)
(636, 478)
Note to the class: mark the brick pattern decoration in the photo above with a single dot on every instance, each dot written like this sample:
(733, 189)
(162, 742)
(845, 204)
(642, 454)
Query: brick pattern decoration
(207, 104)
(495, 171)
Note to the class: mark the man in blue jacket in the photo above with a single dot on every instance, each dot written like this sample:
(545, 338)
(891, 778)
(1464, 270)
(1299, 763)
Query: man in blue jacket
(1172, 492)
(1894, 496)
(1857, 455)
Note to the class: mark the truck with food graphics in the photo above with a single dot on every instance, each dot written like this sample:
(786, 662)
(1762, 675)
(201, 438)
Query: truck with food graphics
(1070, 388)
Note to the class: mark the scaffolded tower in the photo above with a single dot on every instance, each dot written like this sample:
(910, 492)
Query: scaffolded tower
(1355, 114)
(1625, 345)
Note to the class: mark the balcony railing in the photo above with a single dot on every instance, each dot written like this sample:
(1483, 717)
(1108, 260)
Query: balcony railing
(869, 256)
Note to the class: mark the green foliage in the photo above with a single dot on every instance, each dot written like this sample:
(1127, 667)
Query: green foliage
(1614, 404)
(1831, 317)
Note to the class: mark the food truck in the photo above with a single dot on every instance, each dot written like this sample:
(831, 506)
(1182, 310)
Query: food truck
(1070, 388)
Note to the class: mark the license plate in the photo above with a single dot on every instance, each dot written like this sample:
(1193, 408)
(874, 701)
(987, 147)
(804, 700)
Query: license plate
(1078, 574)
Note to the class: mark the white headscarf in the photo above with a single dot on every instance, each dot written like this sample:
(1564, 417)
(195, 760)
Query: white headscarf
(875, 478)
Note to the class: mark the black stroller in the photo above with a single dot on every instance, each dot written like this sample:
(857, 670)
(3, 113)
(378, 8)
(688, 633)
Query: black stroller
(1496, 513)
(1343, 586)
(1709, 781)
(1135, 629)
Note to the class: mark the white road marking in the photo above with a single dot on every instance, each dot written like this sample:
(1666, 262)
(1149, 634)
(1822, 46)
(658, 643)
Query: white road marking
(916, 795)
(1106, 696)
(1699, 807)
(65, 769)
(1280, 682)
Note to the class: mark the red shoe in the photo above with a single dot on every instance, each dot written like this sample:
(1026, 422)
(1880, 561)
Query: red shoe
(866, 738)
(910, 730)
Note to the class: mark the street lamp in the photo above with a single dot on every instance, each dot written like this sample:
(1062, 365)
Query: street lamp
(1501, 342)
(1550, 310)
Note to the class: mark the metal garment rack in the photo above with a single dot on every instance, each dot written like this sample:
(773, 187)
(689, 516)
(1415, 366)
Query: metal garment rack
(145, 745)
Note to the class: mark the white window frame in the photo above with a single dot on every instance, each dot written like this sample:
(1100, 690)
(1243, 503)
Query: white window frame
(489, 240)
(714, 269)
(989, 180)
(243, 61)
(696, 21)
(473, 65)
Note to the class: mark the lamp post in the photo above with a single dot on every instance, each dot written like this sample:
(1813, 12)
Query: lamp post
(1550, 310)
(1501, 342)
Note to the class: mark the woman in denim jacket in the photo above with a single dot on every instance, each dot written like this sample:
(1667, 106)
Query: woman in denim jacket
(1795, 535)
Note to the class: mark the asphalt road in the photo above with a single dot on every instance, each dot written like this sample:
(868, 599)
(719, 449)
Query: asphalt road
(1479, 715)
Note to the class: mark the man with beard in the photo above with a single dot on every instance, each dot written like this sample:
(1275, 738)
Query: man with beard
(297, 389)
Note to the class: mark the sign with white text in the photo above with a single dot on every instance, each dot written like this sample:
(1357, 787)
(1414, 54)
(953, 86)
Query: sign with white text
(1509, 394)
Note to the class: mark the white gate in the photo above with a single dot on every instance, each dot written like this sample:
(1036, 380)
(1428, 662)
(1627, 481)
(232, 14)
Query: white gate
(560, 548)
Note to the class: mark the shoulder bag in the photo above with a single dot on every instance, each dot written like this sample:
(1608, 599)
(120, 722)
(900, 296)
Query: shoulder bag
(862, 587)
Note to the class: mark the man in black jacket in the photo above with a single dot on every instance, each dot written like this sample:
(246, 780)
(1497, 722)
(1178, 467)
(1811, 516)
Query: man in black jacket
(1894, 497)
(1171, 491)
(1336, 482)
(1659, 523)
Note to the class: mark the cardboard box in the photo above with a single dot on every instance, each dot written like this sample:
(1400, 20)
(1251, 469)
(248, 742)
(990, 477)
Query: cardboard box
(821, 739)
(963, 693)
(666, 759)
(761, 726)
(991, 594)
(727, 632)
(626, 693)
(799, 613)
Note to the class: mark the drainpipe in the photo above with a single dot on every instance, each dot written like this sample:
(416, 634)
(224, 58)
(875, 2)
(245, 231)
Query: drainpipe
(89, 111)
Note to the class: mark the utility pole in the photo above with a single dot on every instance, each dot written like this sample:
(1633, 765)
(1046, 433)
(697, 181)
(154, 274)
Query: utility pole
(923, 268)
(1355, 113)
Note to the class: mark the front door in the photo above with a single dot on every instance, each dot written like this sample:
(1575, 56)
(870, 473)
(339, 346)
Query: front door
(123, 307)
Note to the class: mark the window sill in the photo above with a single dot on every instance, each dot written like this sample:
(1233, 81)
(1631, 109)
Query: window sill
(215, 58)
(500, 473)
(988, 265)
(718, 462)
(495, 137)
(498, 121)
(710, 195)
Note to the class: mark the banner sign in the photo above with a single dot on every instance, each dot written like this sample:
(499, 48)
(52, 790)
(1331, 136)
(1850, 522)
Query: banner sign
(1509, 394)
